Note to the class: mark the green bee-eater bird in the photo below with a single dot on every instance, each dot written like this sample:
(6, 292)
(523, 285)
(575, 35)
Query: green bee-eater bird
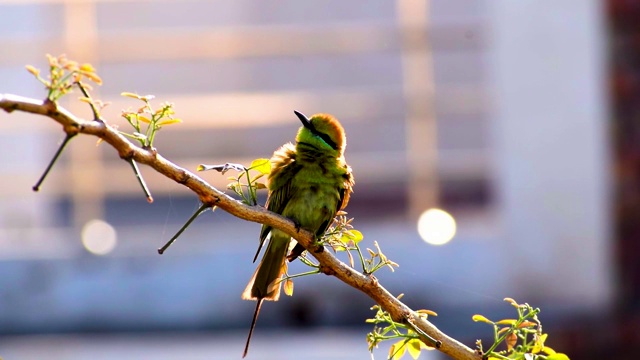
(309, 182)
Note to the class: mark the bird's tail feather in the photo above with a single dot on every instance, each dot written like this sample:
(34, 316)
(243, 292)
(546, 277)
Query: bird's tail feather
(265, 282)
(253, 324)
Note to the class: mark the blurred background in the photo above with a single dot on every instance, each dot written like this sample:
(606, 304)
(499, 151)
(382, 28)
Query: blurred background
(520, 120)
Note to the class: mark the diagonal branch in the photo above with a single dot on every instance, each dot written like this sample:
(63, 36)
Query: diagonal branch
(209, 195)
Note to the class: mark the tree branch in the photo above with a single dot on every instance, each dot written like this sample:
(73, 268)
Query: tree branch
(209, 195)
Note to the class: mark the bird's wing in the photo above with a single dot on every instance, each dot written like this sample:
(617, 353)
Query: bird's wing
(347, 188)
(345, 195)
(283, 169)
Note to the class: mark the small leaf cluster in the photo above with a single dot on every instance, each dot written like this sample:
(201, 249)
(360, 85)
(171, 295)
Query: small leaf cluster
(252, 185)
(408, 340)
(243, 184)
(146, 121)
(377, 260)
(63, 75)
(341, 236)
(523, 336)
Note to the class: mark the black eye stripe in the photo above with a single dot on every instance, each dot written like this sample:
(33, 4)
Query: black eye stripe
(327, 139)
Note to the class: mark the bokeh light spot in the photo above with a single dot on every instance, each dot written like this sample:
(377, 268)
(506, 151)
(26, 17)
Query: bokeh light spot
(99, 237)
(436, 227)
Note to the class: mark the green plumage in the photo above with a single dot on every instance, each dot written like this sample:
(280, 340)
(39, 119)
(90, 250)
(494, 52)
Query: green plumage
(309, 182)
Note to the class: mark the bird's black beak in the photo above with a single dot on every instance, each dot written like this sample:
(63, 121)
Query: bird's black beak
(305, 120)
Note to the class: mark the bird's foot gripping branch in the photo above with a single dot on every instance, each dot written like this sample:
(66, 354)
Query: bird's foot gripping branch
(520, 338)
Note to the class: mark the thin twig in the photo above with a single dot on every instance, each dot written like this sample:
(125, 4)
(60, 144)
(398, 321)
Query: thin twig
(94, 109)
(140, 179)
(183, 228)
(67, 137)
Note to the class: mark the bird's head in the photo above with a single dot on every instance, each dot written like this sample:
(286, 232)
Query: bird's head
(322, 131)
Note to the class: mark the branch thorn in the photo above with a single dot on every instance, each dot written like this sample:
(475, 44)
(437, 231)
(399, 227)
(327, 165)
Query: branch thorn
(68, 137)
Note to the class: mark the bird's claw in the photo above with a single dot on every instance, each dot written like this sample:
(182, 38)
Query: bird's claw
(318, 246)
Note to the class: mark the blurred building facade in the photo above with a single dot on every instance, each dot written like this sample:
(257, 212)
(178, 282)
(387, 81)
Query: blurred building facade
(494, 111)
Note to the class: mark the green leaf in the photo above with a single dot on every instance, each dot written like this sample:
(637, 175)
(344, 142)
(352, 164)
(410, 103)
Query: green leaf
(512, 302)
(345, 238)
(480, 318)
(356, 236)
(526, 324)
(169, 122)
(261, 165)
(426, 312)
(392, 351)
(511, 340)
(288, 287)
(352, 235)
(397, 350)
(87, 68)
(547, 350)
(539, 343)
(131, 95)
(33, 70)
(339, 248)
(414, 348)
